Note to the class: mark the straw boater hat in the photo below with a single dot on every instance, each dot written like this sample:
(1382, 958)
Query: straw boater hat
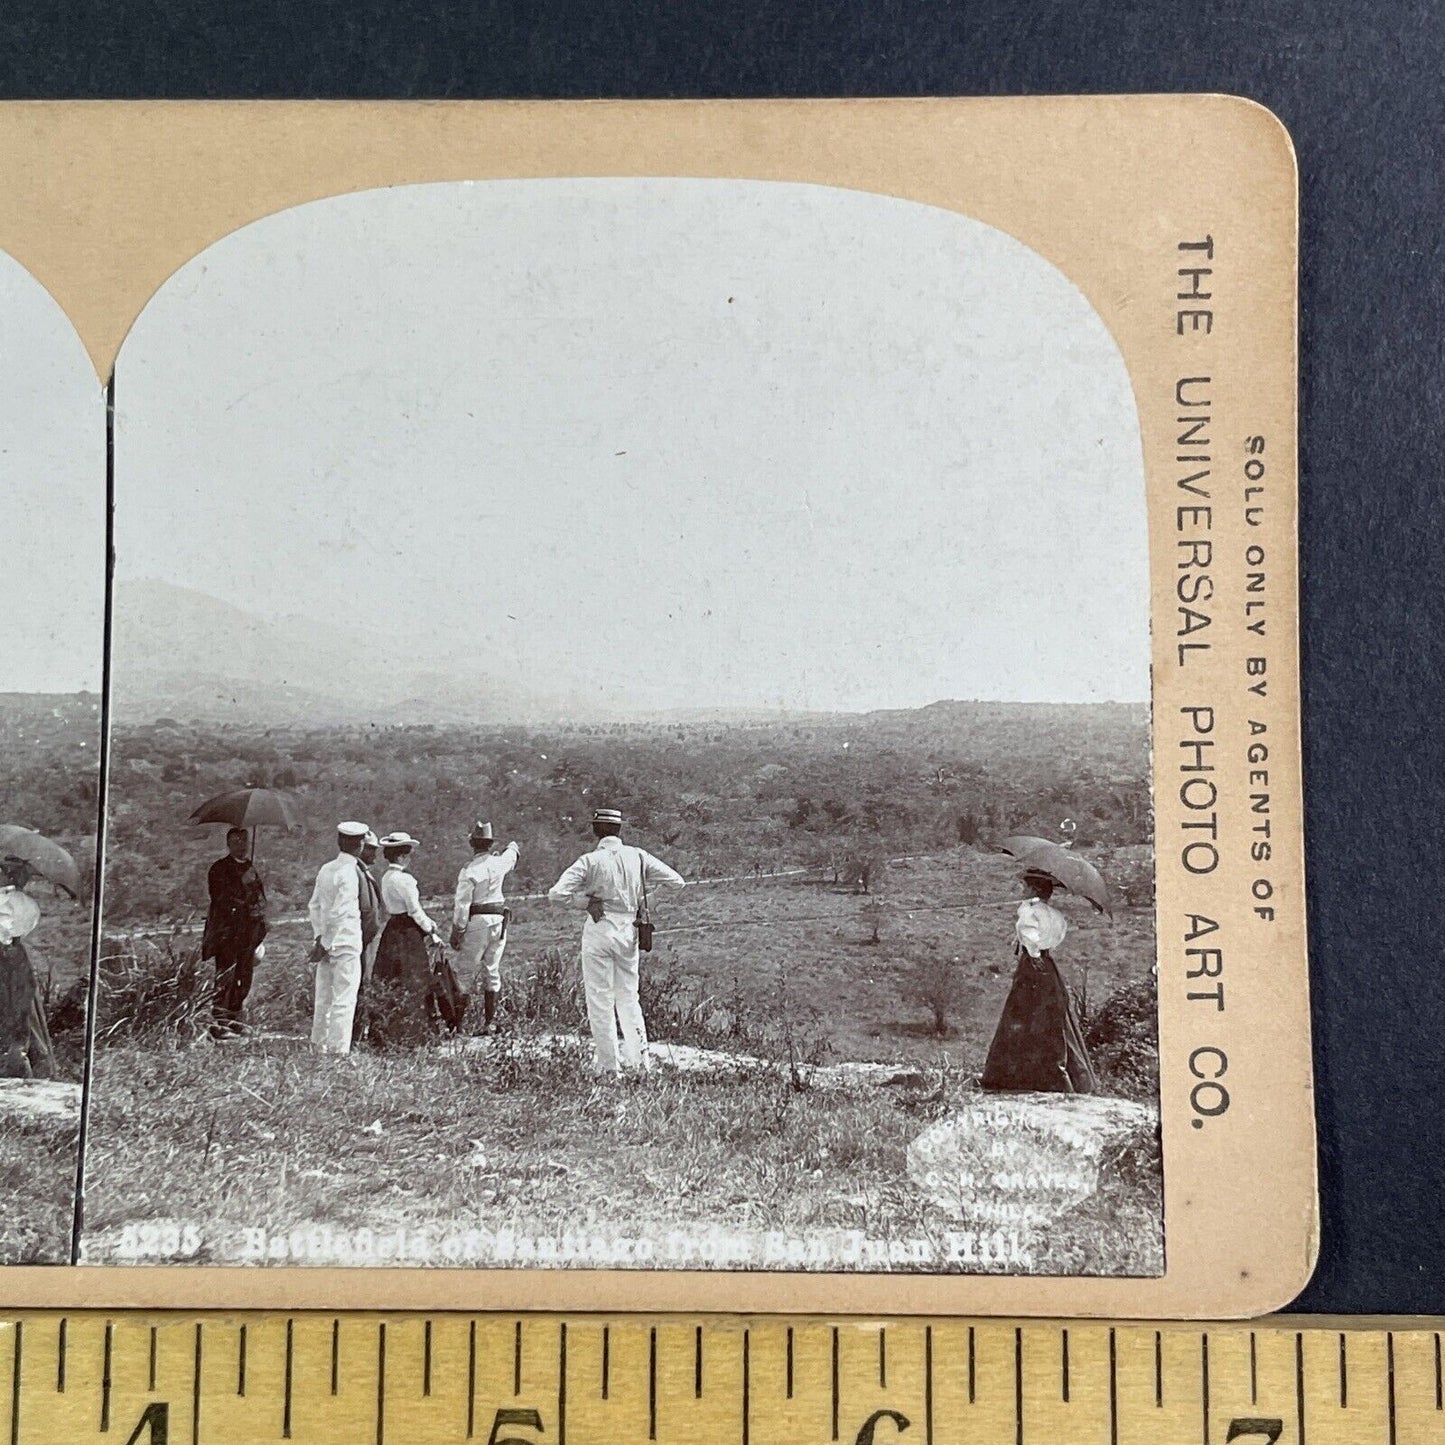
(481, 833)
(400, 840)
(607, 815)
(352, 830)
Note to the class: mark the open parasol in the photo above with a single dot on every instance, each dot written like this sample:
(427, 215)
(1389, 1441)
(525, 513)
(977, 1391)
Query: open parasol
(249, 808)
(1071, 872)
(46, 858)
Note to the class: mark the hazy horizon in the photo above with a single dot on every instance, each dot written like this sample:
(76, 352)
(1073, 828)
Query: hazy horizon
(143, 689)
(649, 446)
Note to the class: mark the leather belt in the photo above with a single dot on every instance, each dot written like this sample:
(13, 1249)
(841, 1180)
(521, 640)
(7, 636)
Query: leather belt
(496, 910)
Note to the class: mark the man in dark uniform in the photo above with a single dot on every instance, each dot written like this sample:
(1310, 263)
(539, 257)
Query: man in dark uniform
(372, 916)
(235, 927)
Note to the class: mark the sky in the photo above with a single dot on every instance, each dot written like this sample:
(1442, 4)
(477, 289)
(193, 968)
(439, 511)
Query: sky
(651, 443)
(52, 486)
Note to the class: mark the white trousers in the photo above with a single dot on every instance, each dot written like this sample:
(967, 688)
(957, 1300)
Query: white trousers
(609, 974)
(338, 978)
(481, 952)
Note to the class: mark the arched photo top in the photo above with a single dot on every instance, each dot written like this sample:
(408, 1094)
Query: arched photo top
(633, 445)
(52, 460)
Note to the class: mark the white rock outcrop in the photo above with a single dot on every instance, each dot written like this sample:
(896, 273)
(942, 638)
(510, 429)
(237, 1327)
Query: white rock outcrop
(39, 1101)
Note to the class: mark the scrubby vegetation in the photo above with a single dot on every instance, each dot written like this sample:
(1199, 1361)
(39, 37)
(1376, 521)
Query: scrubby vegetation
(837, 795)
(860, 915)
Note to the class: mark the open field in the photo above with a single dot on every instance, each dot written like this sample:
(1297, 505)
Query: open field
(257, 1140)
(49, 758)
(37, 1185)
(503, 1153)
(866, 919)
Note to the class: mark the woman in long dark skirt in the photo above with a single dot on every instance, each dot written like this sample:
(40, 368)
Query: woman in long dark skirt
(1038, 1044)
(25, 1051)
(401, 976)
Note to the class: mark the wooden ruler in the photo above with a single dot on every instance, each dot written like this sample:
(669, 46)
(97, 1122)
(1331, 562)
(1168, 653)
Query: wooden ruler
(139, 1379)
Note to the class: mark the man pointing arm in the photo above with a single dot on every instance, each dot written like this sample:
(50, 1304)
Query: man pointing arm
(480, 916)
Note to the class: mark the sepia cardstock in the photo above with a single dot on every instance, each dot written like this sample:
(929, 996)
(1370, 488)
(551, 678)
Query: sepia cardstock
(865, 481)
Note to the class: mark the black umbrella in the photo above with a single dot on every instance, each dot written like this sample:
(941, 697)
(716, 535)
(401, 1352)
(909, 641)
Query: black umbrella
(249, 808)
(45, 858)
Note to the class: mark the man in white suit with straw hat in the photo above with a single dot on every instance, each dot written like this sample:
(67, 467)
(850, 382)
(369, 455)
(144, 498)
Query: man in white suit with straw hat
(479, 918)
(335, 911)
(613, 883)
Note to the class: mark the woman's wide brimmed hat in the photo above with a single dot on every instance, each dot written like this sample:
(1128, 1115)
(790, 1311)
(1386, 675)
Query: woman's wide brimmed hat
(400, 840)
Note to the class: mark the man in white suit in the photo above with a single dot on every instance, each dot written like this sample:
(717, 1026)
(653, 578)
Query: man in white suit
(610, 883)
(336, 923)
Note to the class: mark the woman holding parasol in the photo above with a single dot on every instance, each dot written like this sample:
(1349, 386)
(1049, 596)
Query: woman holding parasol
(1038, 1044)
(25, 1050)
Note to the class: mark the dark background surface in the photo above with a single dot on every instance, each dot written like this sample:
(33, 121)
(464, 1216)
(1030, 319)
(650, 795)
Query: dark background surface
(1359, 86)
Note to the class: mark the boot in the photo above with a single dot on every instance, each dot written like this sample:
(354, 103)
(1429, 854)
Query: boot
(489, 1011)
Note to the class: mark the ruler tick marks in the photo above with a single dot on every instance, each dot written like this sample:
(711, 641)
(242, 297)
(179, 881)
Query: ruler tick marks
(790, 1363)
(1439, 1400)
(517, 1359)
(151, 1364)
(606, 1352)
(972, 1374)
(241, 1362)
(1299, 1384)
(286, 1387)
(426, 1358)
(380, 1384)
(928, 1384)
(1253, 1371)
(882, 1359)
(1204, 1382)
(561, 1384)
(652, 1385)
(15, 1387)
(747, 1384)
(697, 1363)
(1018, 1387)
(1158, 1370)
(1344, 1377)
(1390, 1379)
(60, 1358)
(1113, 1390)
(1064, 1365)
(335, 1356)
(105, 1378)
(196, 1388)
(835, 1383)
(471, 1379)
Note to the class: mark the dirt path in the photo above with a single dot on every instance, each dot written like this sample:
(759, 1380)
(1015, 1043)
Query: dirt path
(442, 903)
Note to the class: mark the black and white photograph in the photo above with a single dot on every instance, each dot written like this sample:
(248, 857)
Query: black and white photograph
(52, 593)
(629, 747)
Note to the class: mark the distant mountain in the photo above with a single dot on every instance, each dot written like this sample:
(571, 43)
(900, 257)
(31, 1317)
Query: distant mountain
(183, 654)
(179, 653)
